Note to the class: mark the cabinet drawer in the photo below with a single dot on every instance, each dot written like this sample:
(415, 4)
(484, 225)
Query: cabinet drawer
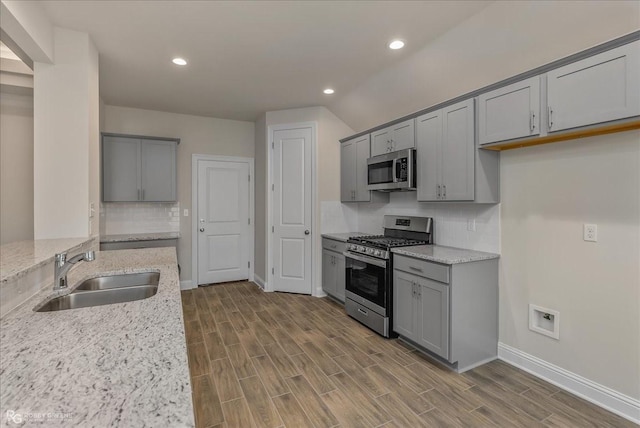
(423, 268)
(333, 245)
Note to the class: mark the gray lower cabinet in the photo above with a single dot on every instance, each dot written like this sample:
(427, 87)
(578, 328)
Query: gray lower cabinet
(333, 268)
(138, 169)
(450, 311)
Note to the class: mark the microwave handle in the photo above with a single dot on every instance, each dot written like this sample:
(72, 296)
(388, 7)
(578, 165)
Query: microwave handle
(394, 167)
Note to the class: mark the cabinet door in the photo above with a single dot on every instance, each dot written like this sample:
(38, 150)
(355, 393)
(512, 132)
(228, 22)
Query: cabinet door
(348, 162)
(598, 89)
(328, 273)
(381, 142)
(457, 154)
(433, 316)
(340, 270)
(404, 305)
(403, 135)
(158, 172)
(510, 112)
(120, 169)
(362, 154)
(429, 138)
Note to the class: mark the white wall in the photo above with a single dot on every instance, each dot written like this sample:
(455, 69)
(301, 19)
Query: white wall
(16, 167)
(548, 192)
(66, 138)
(330, 130)
(198, 135)
(502, 40)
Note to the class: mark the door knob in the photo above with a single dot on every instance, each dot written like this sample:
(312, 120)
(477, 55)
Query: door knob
(202, 229)
(307, 232)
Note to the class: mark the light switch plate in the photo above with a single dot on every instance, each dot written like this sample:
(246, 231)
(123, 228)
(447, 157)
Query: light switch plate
(186, 212)
(471, 225)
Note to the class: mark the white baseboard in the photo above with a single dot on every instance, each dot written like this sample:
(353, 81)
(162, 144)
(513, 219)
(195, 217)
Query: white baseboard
(186, 285)
(259, 281)
(607, 398)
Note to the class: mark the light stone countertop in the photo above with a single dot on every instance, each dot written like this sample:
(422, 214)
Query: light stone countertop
(442, 254)
(131, 237)
(115, 365)
(343, 236)
(22, 257)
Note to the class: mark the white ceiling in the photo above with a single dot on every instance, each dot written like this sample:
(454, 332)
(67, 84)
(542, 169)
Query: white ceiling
(248, 57)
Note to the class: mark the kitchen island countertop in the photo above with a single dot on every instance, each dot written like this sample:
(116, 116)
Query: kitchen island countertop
(115, 365)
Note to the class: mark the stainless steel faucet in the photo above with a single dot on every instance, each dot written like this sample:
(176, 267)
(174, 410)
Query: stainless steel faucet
(63, 266)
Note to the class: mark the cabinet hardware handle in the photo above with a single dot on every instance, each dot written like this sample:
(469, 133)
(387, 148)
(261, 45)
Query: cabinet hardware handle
(532, 121)
(363, 312)
(415, 268)
(413, 289)
(444, 192)
(438, 192)
(550, 117)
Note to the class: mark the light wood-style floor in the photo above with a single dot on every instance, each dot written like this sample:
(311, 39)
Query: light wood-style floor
(275, 359)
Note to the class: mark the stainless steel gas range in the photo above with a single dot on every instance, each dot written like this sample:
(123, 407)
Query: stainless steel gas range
(369, 269)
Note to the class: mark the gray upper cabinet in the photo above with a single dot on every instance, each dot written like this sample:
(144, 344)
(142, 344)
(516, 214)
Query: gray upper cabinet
(120, 167)
(445, 154)
(597, 89)
(353, 170)
(138, 169)
(509, 112)
(393, 138)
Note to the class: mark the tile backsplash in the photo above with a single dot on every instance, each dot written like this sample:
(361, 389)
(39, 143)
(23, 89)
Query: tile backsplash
(139, 217)
(452, 220)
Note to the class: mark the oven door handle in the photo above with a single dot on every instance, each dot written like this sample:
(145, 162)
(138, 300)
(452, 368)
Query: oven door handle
(366, 259)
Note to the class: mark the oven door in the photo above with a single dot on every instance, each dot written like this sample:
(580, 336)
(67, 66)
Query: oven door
(367, 281)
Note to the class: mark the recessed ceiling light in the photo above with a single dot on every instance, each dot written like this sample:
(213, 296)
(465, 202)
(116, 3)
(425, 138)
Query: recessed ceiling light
(328, 91)
(396, 44)
(179, 61)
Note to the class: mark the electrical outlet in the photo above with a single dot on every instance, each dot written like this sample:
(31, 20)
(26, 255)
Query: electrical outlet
(186, 212)
(471, 225)
(590, 232)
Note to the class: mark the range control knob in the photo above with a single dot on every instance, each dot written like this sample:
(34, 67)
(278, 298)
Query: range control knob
(361, 249)
(378, 253)
(369, 250)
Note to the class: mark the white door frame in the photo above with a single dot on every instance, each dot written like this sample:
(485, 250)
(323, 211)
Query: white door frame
(195, 158)
(268, 283)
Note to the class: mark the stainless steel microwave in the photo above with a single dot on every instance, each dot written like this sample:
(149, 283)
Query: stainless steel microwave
(392, 171)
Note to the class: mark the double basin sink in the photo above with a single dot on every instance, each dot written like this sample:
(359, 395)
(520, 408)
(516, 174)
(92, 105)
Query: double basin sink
(106, 290)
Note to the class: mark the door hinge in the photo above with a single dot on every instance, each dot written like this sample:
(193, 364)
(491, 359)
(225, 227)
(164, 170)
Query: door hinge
(273, 145)
(249, 264)
(248, 221)
(272, 271)
(272, 229)
(249, 178)
(273, 187)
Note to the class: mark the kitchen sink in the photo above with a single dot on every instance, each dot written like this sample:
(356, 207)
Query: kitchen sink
(119, 281)
(106, 290)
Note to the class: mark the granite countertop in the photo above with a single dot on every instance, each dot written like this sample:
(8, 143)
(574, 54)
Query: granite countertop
(115, 365)
(22, 257)
(442, 254)
(343, 236)
(129, 237)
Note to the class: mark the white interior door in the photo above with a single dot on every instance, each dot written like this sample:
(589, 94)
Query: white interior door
(223, 221)
(292, 189)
